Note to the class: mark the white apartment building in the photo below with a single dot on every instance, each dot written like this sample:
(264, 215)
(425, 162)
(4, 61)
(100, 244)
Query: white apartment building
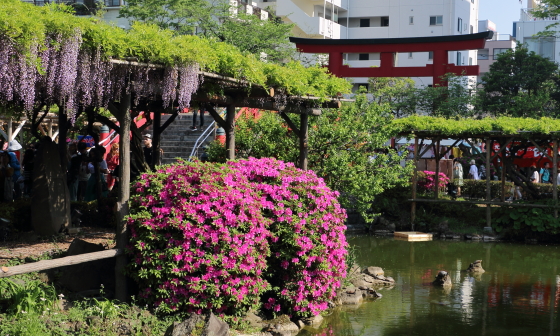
(528, 25)
(356, 19)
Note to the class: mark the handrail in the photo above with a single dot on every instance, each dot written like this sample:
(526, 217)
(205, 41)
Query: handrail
(198, 142)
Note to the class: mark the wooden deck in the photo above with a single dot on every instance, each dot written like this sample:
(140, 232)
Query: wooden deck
(413, 236)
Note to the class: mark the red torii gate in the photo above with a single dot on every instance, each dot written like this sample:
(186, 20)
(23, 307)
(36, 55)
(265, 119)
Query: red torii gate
(439, 45)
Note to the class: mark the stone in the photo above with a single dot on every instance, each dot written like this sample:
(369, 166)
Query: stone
(284, 329)
(359, 282)
(488, 238)
(50, 212)
(476, 267)
(390, 279)
(374, 271)
(368, 278)
(314, 321)
(205, 325)
(363, 287)
(254, 320)
(351, 290)
(442, 279)
(374, 293)
(351, 299)
(90, 275)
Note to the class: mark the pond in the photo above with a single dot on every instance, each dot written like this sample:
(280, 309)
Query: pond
(518, 295)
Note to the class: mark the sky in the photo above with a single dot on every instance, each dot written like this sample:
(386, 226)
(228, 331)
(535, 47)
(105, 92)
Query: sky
(501, 12)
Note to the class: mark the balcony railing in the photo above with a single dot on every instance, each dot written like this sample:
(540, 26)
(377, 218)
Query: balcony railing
(527, 15)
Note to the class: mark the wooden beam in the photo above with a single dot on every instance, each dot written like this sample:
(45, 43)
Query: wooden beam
(9, 131)
(217, 117)
(414, 184)
(540, 149)
(502, 148)
(303, 139)
(555, 175)
(125, 120)
(436, 155)
(230, 132)
(488, 190)
(507, 204)
(60, 262)
(290, 123)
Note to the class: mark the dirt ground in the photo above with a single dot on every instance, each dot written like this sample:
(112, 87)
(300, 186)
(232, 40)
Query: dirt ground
(29, 245)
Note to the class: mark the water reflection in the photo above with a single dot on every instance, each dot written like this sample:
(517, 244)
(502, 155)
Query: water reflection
(518, 295)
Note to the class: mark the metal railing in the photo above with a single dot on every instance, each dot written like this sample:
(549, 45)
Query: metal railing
(201, 139)
(527, 15)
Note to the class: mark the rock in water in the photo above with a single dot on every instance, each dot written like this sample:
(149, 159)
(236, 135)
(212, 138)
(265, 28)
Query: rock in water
(51, 198)
(205, 325)
(442, 279)
(476, 267)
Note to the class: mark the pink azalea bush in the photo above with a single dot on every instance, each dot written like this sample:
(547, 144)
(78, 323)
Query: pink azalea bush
(232, 237)
(427, 180)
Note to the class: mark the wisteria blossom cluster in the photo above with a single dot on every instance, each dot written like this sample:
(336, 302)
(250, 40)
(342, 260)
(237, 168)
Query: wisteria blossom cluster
(66, 72)
(427, 180)
(235, 236)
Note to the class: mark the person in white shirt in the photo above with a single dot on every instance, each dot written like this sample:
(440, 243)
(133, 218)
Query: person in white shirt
(473, 171)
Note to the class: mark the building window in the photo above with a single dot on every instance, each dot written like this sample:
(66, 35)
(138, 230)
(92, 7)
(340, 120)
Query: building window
(364, 22)
(459, 25)
(411, 20)
(112, 3)
(430, 55)
(472, 29)
(409, 55)
(384, 21)
(498, 51)
(436, 20)
(458, 58)
(470, 60)
(482, 54)
(363, 57)
(543, 46)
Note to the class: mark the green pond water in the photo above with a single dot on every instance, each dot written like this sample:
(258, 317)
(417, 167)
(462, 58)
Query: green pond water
(518, 295)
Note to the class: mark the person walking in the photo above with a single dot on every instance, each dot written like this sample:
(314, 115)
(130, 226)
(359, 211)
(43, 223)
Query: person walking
(545, 173)
(534, 177)
(112, 163)
(197, 113)
(148, 149)
(457, 175)
(473, 171)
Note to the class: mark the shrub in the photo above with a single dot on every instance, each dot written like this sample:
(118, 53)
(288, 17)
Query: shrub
(228, 237)
(427, 180)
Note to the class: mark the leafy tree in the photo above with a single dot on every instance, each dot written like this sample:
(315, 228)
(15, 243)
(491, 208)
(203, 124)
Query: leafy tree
(547, 9)
(346, 147)
(520, 84)
(398, 92)
(215, 19)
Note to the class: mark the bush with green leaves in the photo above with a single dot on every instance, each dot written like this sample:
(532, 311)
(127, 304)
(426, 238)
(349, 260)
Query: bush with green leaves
(347, 148)
(31, 297)
(230, 237)
(526, 221)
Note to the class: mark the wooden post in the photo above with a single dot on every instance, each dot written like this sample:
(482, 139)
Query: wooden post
(230, 132)
(555, 175)
(125, 120)
(436, 152)
(414, 183)
(9, 131)
(49, 128)
(156, 142)
(303, 138)
(503, 178)
(488, 190)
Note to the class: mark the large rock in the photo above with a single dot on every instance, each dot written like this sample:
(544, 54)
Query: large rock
(354, 298)
(476, 267)
(90, 275)
(51, 199)
(287, 328)
(442, 279)
(374, 271)
(204, 325)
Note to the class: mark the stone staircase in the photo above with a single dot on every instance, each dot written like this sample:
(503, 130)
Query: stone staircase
(178, 139)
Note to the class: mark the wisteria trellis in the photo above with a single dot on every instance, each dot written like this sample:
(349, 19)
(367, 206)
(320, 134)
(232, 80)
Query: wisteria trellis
(71, 75)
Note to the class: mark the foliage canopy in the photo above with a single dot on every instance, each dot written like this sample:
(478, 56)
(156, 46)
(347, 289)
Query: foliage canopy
(28, 25)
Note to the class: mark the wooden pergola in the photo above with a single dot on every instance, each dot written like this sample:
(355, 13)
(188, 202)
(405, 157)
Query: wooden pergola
(489, 138)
